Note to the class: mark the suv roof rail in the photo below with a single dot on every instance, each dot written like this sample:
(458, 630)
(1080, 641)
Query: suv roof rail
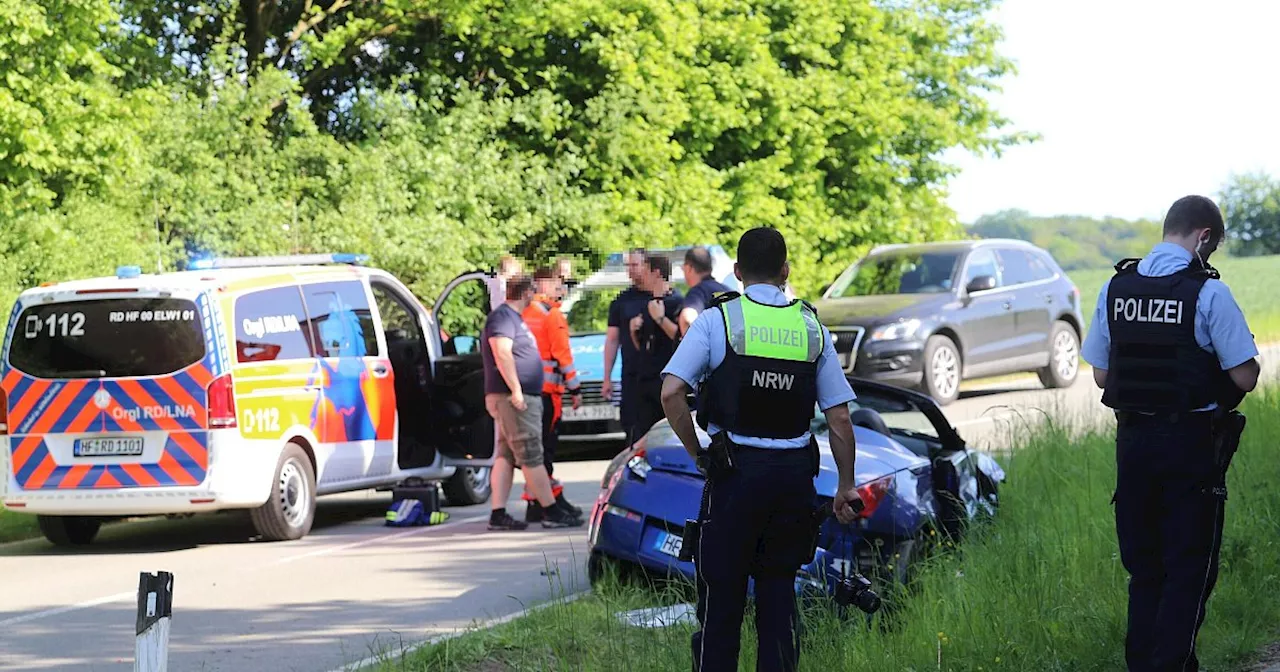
(282, 260)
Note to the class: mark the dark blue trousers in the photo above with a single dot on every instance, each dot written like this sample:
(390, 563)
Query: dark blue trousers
(1169, 511)
(758, 523)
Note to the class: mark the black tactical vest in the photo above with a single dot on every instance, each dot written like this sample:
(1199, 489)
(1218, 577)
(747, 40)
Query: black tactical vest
(1156, 365)
(758, 396)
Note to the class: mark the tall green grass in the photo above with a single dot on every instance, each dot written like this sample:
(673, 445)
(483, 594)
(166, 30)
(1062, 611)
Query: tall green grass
(1040, 587)
(17, 526)
(1248, 277)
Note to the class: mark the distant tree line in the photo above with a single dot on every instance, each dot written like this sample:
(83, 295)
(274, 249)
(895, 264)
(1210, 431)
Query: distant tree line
(1251, 205)
(1076, 242)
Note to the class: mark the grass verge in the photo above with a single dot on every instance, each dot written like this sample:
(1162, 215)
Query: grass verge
(1039, 588)
(17, 526)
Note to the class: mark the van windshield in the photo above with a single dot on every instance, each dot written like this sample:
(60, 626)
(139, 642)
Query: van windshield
(107, 338)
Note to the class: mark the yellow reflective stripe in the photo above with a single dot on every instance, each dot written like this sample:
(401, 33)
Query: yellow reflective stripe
(735, 326)
(817, 338)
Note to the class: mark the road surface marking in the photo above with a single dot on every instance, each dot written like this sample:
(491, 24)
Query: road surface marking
(445, 636)
(369, 540)
(118, 597)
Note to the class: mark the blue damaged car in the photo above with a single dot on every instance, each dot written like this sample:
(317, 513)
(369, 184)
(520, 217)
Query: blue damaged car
(914, 472)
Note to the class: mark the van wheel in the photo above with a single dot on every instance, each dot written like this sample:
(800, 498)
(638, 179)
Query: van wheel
(1064, 357)
(291, 509)
(467, 486)
(69, 530)
(942, 370)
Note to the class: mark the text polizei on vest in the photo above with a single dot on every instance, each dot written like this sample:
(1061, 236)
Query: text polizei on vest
(1166, 311)
(775, 336)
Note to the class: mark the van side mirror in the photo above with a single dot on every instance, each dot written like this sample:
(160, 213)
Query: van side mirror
(980, 284)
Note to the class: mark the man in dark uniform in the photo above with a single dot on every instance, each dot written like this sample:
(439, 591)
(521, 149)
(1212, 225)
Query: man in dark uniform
(1172, 352)
(702, 287)
(632, 303)
(762, 363)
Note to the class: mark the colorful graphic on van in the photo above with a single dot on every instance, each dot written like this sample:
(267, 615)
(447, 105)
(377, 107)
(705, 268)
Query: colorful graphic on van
(355, 405)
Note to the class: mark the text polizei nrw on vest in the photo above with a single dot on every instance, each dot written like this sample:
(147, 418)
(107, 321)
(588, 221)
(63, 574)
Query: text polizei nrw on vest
(776, 336)
(1166, 311)
(772, 380)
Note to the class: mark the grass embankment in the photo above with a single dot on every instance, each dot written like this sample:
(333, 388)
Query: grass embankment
(1248, 277)
(17, 526)
(1039, 588)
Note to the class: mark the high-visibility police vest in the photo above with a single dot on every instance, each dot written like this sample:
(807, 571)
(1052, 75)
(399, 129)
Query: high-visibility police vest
(767, 385)
(1156, 365)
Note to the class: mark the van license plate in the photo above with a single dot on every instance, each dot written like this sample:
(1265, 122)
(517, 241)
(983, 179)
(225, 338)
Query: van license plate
(591, 412)
(121, 446)
(670, 544)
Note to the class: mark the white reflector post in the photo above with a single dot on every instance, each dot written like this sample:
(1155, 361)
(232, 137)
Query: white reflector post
(155, 608)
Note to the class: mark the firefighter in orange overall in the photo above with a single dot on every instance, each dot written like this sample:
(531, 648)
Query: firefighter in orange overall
(551, 330)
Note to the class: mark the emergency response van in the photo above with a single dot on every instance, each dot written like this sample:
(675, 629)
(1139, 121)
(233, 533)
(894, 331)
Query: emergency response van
(240, 384)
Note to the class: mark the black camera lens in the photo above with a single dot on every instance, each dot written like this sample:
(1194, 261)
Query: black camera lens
(856, 591)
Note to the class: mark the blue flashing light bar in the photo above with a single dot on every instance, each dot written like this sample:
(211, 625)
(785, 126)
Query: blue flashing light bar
(128, 272)
(284, 260)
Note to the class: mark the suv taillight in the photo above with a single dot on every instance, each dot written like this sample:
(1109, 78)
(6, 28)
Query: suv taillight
(4, 413)
(222, 403)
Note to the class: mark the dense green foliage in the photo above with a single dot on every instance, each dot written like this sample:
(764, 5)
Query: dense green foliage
(1040, 587)
(1251, 205)
(1076, 242)
(434, 135)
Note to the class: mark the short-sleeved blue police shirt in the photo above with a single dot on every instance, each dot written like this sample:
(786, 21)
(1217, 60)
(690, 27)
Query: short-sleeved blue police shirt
(703, 348)
(1220, 325)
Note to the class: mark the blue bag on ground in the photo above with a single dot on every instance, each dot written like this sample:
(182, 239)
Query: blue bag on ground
(413, 513)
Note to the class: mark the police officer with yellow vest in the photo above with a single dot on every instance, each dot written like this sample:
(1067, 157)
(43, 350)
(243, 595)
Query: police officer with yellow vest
(762, 362)
(1174, 356)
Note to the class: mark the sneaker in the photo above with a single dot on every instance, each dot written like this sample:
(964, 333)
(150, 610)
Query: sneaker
(564, 504)
(559, 517)
(504, 522)
(534, 513)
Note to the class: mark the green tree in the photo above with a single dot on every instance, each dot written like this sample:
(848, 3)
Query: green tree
(1251, 206)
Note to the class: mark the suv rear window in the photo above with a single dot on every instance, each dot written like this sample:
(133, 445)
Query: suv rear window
(114, 338)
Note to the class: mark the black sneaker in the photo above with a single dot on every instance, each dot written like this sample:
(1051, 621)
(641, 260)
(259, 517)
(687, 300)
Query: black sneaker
(534, 513)
(558, 517)
(564, 504)
(504, 522)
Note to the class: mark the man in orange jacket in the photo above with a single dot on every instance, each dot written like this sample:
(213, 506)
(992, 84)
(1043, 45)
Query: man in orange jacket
(551, 330)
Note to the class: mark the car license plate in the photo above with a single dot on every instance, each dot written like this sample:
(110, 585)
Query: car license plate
(670, 544)
(590, 412)
(116, 446)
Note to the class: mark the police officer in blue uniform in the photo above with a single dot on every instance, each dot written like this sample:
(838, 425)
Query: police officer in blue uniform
(1171, 350)
(761, 362)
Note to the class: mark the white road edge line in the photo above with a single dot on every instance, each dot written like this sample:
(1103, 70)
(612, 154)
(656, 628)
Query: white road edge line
(119, 597)
(443, 637)
(374, 539)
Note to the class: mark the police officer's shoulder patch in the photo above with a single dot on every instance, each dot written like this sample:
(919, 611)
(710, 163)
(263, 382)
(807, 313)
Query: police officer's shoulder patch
(722, 298)
(1128, 265)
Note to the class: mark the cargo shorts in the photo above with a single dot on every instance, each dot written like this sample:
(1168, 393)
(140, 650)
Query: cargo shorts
(519, 432)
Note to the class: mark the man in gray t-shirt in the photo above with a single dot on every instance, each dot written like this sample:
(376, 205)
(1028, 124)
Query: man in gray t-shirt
(513, 396)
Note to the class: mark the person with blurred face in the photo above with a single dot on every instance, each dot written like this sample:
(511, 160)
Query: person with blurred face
(632, 302)
(551, 330)
(654, 333)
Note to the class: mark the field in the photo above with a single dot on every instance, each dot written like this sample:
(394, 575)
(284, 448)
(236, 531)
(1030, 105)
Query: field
(1248, 277)
(1039, 588)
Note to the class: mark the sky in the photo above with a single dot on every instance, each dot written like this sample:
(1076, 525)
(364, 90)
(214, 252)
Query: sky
(1138, 102)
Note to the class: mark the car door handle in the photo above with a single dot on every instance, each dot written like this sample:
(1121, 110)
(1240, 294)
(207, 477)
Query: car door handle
(380, 371)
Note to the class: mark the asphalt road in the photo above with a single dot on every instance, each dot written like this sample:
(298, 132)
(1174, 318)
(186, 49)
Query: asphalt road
(353, 587)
